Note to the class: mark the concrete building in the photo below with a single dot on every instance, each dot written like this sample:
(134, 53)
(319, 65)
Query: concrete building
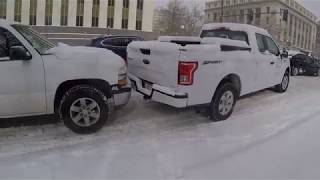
(86, 17)
(298, 32)
(317, 50)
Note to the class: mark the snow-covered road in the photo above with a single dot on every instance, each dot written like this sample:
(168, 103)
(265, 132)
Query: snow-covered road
(270, 135)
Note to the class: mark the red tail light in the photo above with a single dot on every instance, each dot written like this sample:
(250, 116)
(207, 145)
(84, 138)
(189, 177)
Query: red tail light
(186, 72)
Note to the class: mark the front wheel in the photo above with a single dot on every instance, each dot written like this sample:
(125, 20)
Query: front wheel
(283, 86)
(223, 102)
(84, 109)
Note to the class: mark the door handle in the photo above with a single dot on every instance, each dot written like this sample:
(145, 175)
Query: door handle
(146, 61)
(272, 63)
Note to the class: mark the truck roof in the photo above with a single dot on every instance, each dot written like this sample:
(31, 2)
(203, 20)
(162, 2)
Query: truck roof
(236, 27)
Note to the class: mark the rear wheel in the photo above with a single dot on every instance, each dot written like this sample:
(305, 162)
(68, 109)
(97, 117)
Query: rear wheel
(283, 86)
(84, 109)
(223, 102)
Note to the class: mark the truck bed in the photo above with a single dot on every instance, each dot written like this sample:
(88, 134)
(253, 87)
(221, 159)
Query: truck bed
(157, 61)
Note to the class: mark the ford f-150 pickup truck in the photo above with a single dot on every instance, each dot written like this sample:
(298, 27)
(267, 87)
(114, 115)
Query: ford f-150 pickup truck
(227, 61)
(81, 84)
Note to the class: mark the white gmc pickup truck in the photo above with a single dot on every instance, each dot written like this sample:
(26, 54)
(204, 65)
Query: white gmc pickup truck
(227, 61)
(81, 84)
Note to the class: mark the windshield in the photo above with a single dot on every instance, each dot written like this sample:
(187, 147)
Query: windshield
(234, 35)
(40, 43)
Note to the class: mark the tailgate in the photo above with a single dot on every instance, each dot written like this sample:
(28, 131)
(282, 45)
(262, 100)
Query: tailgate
(154, 61)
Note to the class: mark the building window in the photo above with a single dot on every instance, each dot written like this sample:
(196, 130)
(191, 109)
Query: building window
(3, 9)
(228, 2)
(95, 13)
(17, 10)
(33, 12)
(48, 12)
(290, 28)
(125, 14)
(268, 10)
(139, 15)
(257, 16)
(64, 12)
(241, 16)
(80, 12)
(110, 18)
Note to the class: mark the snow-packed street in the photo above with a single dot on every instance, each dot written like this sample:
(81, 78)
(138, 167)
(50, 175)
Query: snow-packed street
(269, 135)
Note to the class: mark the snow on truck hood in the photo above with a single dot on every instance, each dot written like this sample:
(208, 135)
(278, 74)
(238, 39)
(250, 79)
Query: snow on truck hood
(66, 52)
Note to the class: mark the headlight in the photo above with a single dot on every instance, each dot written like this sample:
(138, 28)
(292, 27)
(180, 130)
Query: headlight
(122, 79)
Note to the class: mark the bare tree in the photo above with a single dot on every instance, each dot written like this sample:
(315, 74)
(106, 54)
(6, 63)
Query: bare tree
(194, 20)
(171, 18)
(179, 18)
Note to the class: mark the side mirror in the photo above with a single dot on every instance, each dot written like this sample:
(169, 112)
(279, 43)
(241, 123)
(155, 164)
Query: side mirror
(284, 54)
(19, 53)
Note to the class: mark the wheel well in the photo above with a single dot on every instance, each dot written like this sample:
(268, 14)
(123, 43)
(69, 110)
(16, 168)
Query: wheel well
(288, 70)
(234, 79)
(104, 86)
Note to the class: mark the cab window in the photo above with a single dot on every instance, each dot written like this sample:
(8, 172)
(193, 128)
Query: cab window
(7, 40)
(224, 33)
(265, 43)
(260, 43)
(272, 46)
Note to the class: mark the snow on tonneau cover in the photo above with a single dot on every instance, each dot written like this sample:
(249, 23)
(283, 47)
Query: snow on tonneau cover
(157, 61)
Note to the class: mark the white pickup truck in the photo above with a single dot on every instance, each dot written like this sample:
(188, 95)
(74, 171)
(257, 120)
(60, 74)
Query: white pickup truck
(227, 61)
(81, 84)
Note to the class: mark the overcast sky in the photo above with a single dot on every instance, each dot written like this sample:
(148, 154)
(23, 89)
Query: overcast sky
(312, 5)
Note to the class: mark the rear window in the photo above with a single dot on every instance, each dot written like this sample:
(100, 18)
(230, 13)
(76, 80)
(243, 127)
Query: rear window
(228, 34)
(120, 41)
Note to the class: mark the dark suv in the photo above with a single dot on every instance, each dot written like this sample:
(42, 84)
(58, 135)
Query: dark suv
(117, 44)
(303, 64)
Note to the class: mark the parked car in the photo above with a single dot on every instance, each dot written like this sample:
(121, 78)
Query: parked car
(303, 64)
(226, 62)
(38, 77)
(117, 44)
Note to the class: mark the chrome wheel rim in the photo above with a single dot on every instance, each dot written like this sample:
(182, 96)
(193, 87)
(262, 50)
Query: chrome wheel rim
(84, 112)
(285, 82)
(226, 103)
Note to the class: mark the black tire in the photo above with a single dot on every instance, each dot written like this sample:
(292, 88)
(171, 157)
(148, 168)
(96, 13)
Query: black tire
(214, 113)
(281, 88)
(84, 92)
(295, 71)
